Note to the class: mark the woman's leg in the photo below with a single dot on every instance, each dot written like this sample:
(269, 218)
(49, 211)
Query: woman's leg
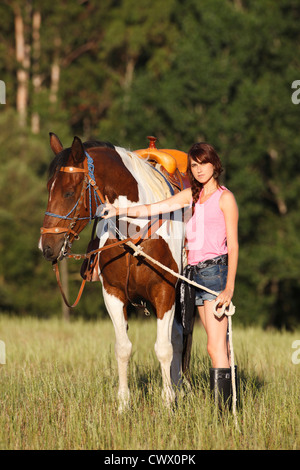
(202, 315)
(216, 330)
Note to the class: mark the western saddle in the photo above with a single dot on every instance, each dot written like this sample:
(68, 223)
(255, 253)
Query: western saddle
(173, 162)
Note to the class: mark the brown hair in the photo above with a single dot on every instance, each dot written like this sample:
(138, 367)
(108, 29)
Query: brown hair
(202, 152)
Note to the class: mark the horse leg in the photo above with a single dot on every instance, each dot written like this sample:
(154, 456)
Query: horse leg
(123, 346)
(164, 352)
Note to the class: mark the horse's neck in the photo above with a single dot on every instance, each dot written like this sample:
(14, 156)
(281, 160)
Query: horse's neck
(127, 179)
(113, 177)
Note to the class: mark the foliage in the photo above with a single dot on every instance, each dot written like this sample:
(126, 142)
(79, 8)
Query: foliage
(116, 70)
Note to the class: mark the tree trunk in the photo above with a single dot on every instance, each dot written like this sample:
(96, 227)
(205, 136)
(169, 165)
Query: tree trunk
(55, 72)
(36, 77)
(23, 61)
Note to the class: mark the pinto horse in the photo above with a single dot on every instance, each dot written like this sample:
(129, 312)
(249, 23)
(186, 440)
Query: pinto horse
(124, 179)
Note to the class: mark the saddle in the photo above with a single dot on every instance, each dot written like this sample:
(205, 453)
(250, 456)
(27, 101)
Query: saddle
(173, 163)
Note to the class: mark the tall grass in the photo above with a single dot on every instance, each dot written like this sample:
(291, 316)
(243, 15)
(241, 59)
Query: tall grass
(58, 391)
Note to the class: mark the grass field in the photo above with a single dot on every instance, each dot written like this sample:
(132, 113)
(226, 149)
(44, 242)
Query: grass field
(58, 391)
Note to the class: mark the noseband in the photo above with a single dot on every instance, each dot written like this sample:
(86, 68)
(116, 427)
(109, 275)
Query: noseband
(88, 184)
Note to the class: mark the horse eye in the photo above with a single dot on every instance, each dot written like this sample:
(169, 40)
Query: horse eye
(69, 194)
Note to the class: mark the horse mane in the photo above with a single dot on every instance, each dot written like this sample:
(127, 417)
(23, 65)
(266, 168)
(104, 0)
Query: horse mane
(62, 157)
(97, 143)
(152, 185)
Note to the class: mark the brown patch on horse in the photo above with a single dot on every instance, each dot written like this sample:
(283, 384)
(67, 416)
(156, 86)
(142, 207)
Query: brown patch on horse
(120, 181)
(145, 280)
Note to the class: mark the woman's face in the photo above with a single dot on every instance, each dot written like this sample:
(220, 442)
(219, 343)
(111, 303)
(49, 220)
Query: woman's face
(202, 172)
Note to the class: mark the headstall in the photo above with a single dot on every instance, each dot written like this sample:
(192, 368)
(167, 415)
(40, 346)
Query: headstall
(87, 186)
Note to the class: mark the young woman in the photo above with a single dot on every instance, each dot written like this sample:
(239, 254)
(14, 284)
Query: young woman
(212, 247)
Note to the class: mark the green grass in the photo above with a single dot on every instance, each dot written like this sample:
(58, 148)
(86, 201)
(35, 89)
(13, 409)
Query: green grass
(58, 391)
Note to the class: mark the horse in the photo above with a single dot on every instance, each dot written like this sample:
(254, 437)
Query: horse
(124, 178)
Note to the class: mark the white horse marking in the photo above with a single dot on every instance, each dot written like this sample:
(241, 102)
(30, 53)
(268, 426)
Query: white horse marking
(123, 346)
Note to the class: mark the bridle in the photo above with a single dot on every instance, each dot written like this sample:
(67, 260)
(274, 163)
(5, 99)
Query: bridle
(88, 185)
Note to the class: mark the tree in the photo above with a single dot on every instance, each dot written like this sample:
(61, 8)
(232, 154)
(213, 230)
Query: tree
(119, 70)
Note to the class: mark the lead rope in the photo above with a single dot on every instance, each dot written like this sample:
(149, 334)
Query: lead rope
(229, 311)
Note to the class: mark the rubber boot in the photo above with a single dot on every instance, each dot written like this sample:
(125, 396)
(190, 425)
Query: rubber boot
(221, 386)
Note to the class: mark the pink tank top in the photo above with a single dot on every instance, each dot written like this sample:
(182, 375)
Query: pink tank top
(206, 230)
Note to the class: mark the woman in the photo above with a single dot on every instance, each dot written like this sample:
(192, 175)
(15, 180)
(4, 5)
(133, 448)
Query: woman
(212, 247)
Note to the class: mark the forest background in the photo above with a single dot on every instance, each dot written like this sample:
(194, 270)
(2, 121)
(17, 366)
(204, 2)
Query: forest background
(222, 71)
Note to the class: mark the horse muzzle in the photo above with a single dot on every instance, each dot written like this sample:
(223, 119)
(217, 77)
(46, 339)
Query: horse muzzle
(53, 245)
(48, 253)
(53, 251)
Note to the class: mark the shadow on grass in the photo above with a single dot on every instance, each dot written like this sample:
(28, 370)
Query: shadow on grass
(197, 380)
(147, 380)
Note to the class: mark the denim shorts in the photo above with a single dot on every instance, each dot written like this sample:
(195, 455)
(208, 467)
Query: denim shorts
(212, 277)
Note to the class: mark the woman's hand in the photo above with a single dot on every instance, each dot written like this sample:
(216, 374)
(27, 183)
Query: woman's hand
(107, 210)
(224, 298)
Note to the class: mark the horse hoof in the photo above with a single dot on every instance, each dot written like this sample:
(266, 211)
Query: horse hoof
(168, 397)
(124, 403)
(123, 407)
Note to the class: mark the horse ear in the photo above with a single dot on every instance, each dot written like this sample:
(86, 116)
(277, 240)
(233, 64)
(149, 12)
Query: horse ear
(55, 143)
(77, 150)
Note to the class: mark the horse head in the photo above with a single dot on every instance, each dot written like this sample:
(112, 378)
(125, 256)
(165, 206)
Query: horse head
(68, 209)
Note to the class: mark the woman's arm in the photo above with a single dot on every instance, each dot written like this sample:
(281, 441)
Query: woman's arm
(173, 203)
(231, 214)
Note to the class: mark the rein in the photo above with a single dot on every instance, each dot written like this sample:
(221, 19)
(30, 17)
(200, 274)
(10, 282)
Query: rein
(133, 242)
(78, 257)
(88, 184)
